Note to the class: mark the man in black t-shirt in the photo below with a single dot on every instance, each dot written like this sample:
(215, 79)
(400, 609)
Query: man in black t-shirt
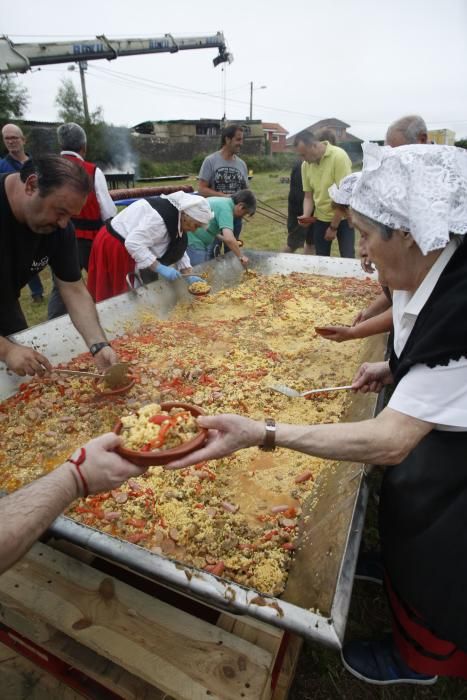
(36, 206)
(298, 236)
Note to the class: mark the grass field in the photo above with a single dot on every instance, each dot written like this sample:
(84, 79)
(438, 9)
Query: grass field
(320, 675)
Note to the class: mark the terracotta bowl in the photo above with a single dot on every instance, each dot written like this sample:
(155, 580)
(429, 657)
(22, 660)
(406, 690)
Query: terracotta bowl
(161, 457)
(109, 393)
(200, 294)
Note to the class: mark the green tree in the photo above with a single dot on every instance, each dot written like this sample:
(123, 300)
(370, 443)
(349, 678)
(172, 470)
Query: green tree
(13, 98)
(70, 106)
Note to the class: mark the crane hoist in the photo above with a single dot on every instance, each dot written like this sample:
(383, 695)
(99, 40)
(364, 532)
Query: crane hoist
(19, 58)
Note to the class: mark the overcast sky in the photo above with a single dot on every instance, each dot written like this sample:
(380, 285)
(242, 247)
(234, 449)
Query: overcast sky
(366, 62)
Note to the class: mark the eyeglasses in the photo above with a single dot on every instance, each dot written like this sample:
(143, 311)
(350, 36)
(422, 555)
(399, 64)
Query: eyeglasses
(12, 138)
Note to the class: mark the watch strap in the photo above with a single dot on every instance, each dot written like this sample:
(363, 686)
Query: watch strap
(269, 442)
(96, 347)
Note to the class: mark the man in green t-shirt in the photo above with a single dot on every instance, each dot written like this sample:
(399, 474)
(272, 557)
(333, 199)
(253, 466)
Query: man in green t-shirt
(324, 165)
(225, 209)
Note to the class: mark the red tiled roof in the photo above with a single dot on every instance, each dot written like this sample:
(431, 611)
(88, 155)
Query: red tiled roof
(274, 126)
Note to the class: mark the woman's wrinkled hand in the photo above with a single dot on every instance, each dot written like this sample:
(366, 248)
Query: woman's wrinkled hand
(372, 376)
(336, 333)
(227, 433)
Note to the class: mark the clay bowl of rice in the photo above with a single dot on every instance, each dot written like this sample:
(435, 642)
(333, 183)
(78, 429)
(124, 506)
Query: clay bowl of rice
(103, 391)
(157, 434)
(199, 289)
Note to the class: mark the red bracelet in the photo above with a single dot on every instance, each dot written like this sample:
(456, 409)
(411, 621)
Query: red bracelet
(80, 459)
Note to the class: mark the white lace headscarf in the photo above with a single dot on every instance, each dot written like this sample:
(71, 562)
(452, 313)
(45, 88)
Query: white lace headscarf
(342, 194)
(419, 188)
(193, 205)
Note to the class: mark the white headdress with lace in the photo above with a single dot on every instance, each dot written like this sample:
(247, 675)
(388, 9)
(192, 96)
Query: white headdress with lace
(418, 188)
(343, 193)
(192, 204)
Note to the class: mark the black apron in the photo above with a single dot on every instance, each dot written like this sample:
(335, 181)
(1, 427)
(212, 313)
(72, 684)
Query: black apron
(423, 506)
(170, 214)
(423, 528)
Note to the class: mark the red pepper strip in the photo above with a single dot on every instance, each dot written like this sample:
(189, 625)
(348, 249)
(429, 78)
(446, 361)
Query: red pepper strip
(216, 569)
(136, 522)
(158, 419)
(165, 427)
(289, 546)
(269, 535)
(290, 513)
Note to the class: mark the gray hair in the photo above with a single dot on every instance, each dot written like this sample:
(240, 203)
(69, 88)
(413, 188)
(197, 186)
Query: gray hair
(71, 137)
(306, 137)
(411, 128)
(247, 198)
(384, 231)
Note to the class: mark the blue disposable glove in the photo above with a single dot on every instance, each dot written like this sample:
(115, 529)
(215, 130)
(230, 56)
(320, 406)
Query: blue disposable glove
(168, 273)
(191, 279)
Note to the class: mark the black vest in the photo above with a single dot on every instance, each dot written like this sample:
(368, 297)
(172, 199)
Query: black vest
(170, 214)
(423, 507)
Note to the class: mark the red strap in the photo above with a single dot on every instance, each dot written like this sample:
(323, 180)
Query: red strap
(77, 462)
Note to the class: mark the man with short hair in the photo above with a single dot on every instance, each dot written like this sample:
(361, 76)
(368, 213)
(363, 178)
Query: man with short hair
(225, 210)
(14, 141)
(36, 206)
(324, 165)
(98, 209)
(223, 173)
(407, 130)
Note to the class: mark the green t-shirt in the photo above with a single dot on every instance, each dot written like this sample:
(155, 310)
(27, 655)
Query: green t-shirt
(223, 209)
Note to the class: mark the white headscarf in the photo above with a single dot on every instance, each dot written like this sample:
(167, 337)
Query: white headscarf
(343, 193)
(419, 188)
(192, 204)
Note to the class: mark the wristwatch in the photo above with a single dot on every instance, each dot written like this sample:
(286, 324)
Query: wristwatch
(269, 443)
(96, 347)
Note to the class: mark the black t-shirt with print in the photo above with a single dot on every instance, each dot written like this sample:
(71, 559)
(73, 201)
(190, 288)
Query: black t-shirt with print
(24, 253)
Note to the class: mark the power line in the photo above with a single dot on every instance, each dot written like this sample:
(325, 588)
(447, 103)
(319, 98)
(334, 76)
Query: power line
(149, 85)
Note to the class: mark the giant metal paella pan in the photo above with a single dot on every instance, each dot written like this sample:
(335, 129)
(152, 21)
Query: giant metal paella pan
(316, 599)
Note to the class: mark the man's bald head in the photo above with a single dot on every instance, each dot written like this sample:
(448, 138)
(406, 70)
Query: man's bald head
(410, 129)
(14, 141)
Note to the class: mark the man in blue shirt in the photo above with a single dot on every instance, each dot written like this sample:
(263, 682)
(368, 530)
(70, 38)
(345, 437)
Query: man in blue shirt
(14, 141)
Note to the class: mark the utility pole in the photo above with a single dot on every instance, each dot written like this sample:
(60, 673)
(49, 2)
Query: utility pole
(261, 87)
(83, 66)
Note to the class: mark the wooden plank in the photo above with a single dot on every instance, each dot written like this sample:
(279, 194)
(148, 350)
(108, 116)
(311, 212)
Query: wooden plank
(20, 679)
(270, 638)
(105, 672)
(255, 631)
(288, 667)
(179, 654)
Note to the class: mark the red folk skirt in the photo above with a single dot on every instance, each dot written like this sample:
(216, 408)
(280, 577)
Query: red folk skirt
(420, 648)
(109, 265)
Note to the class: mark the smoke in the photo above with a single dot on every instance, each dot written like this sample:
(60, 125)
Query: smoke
(121, 158)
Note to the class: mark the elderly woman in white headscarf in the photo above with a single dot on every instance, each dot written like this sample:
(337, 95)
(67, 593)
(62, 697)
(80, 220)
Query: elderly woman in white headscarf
(409, 204)
(149, 235)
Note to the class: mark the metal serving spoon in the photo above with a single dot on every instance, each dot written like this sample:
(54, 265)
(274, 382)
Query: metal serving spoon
(114, 376)
(293, 393)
